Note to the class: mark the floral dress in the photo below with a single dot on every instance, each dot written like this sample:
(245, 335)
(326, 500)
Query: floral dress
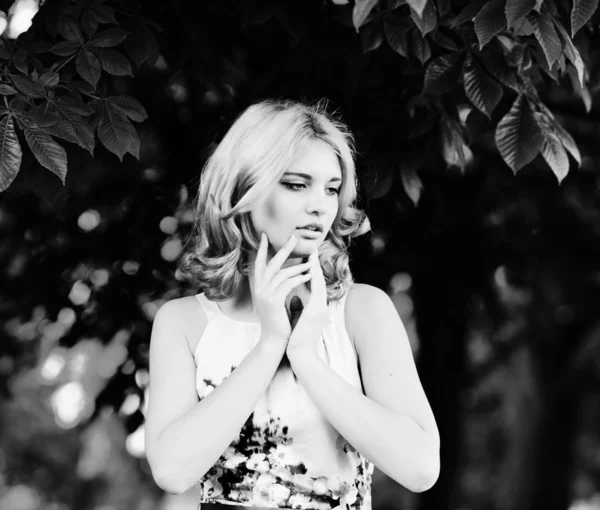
(287, 454)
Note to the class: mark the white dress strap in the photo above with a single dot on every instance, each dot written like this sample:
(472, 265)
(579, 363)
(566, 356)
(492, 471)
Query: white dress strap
(211, 309)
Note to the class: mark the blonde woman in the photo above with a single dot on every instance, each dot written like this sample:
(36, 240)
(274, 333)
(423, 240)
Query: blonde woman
(283, 383)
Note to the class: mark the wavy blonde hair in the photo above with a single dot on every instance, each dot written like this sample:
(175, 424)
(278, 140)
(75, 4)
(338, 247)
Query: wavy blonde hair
(252, 157)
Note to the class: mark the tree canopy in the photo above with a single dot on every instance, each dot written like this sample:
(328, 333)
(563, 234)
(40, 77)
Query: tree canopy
(476, 158)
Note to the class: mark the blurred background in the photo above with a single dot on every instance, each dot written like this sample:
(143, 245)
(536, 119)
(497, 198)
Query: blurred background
(495, 275)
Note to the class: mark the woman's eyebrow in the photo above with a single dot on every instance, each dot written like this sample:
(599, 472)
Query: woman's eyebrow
(309, 177)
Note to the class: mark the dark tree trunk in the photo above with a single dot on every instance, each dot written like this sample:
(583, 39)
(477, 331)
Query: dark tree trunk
(445, 275)
(538, 468)
(441, 362)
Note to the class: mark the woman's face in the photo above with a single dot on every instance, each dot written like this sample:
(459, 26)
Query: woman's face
(297, 200)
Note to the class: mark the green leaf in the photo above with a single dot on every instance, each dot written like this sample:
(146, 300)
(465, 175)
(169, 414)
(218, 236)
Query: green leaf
(137, 47)
(475, 125)
(522, 27)
(443, 41)
(97, 106)
(154, 49)
(427, 21)
(418, 6)
(443, 7)
(370, 36)
(467, 14)
(109, 38)
(420, 46)
(134, 145)
(412, 183)
(26, 86)
(515, 10)
(49, 79)
(546, 35)
(581, 13)
(567, 141)
(89, 23)
(83, 87)
(70, 30)
(481, 89)
(442, 73)
(455, 150)
(42, 116)
(103, 13)
(48, 153)
(490, 20)
(17, 105)
(518, 136)
(65, 48)
(494, 61)
(10, 152)
(571, 51)
(114, 62)
(555, 155)
(21, 65)
(582, 92)
(69, 103)
(6, 90)
(74, 130)
(115, 130)
(130, 107)
(395, 28)
(39, 47)
(361, 10)
(72, 127)
(88, 66)
(5, 54)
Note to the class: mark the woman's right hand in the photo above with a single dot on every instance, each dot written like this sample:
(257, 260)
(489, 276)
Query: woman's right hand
(271, 286)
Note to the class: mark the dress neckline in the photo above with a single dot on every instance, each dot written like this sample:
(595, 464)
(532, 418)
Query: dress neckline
(254, 323)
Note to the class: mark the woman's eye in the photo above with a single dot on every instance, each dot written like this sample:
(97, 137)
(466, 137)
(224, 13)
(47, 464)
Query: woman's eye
(292, 185)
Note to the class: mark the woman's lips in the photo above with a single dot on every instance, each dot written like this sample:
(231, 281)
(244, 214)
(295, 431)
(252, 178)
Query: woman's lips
(311, 234)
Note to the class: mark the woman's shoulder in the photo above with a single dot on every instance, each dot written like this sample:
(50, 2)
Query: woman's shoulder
(358, 295)
(187, 314)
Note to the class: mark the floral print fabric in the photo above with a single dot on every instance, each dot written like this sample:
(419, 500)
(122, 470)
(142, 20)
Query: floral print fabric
(286, 455)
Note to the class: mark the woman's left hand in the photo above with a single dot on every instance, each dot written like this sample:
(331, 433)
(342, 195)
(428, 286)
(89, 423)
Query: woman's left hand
(306, 332)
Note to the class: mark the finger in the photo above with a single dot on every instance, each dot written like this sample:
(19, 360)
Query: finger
(259, 263)
(286, 287)
(286, 273)
(275, 264)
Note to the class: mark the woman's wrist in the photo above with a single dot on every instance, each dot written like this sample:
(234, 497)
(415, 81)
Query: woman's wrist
(272, 345)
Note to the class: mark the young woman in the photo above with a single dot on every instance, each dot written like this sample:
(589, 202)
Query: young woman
(283, 383)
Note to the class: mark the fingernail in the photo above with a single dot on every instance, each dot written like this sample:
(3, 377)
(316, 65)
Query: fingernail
(293, 239)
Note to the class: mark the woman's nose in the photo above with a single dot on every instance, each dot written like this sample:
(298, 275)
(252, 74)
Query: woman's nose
(319, 202)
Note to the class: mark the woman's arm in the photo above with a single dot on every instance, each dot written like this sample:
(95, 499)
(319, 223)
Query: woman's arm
(185, 437)
(392, 424)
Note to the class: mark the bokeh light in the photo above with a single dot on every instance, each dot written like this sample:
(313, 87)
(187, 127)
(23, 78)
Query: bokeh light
(99, 277)
(130, 267)
(135, 443)
(89, 220)
(80, 293)
(54, 364)
(170, 249)
(169, 225)
(69, 404)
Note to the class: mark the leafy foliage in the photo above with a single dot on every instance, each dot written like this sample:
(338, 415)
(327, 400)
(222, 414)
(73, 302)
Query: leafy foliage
(489, 56)
(481, 55)
(57, 76)
(415, 102)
